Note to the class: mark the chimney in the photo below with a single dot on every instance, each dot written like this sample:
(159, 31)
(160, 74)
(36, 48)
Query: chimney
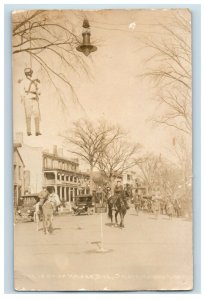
(19, 137)
(55, 150)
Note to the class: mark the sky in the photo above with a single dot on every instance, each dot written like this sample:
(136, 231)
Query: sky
(114, 91)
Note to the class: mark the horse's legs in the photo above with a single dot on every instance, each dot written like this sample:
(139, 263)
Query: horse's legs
(122, 215)
(121, 221)
(111, 216)
(37, 221)
(110, 213)
(50, 224)
(116, 213)
(44, 224)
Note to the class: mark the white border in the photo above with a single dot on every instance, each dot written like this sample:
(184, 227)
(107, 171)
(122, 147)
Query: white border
(88, 296)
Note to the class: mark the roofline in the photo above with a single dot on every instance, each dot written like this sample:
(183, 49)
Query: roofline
(59, 157)
(16, 148)
(66, 171)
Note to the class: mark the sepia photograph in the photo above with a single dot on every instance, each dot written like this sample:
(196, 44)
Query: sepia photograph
(102, 150)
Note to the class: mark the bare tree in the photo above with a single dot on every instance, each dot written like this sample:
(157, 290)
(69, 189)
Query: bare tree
(168, 178)
(169, 68)
(149, 165)
(49, 39)
(117, 158)
(181, 151)
(158, 172)
(89, 141)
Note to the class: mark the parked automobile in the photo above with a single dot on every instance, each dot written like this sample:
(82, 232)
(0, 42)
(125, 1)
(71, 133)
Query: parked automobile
(83, 204)
(27, 208)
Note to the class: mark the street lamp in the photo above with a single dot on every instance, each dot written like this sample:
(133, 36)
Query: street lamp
(86, 47)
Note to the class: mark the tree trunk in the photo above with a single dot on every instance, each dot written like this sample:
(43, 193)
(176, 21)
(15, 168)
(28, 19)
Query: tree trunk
(112, 185)
(91, 180)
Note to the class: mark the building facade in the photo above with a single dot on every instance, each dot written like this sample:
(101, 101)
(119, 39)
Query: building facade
(64, 176)
(48, 169)
(18, 174)
(130, 179)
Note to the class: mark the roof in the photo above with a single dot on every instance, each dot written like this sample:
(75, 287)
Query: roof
(16, 149)
(60, 158)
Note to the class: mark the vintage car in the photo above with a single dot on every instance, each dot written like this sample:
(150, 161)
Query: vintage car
(83, 204)
(27, 208)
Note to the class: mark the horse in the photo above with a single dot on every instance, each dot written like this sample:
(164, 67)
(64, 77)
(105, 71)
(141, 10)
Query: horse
(37, 215)
(48, 210)
(120, 206)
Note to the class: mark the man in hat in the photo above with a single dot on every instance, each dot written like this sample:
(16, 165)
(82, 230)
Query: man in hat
(43, 197)
(119, 193)
(30, 98)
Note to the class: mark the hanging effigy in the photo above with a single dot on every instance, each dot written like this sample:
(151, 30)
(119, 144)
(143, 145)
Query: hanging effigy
(30, 99)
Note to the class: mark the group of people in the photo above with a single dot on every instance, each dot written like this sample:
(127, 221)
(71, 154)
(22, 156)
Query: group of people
(157, 205)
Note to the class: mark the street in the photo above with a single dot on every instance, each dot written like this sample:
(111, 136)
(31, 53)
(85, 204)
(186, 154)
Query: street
(148, 253)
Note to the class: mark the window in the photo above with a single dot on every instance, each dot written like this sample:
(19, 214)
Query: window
(49, 163)
(50, 176)
(55, 164)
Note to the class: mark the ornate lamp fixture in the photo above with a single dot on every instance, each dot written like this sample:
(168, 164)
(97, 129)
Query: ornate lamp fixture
(86, 47)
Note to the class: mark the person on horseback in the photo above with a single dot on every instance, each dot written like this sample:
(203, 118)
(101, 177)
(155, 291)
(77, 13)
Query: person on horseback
(43, 196)
(119, 193)
(54, 199)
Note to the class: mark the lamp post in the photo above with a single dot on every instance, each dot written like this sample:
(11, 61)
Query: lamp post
(86, 47)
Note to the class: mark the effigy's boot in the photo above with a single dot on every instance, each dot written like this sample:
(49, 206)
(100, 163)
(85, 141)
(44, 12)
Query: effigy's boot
(37, 126)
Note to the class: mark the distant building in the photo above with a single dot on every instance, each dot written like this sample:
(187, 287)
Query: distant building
(64, 176)
(130, 179)
(18, 173)
(52, 170)
(27, 180)
(32, 157)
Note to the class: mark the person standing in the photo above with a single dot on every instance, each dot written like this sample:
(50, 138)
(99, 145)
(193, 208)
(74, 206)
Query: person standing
(137, 201)
(30, 99)
(156, 206)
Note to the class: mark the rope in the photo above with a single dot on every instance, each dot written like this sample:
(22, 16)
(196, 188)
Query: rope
(30, 44)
